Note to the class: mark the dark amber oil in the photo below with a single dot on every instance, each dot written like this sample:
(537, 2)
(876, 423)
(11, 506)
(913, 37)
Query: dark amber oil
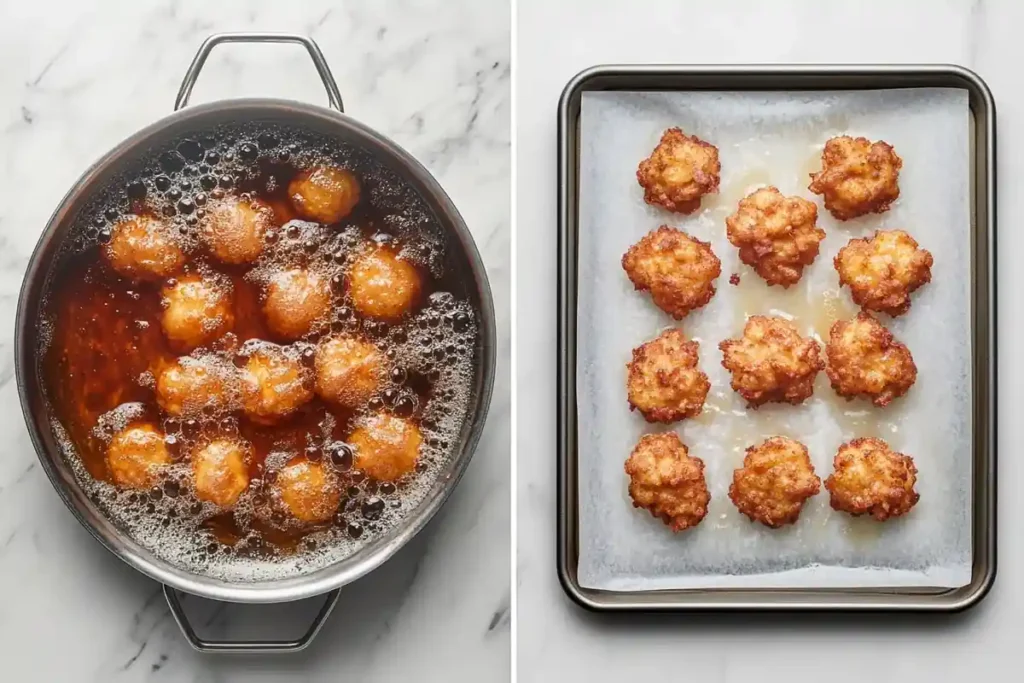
(103, 338)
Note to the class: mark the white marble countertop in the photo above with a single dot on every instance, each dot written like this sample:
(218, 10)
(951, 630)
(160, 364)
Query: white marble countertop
(557, 640)
(79, 77)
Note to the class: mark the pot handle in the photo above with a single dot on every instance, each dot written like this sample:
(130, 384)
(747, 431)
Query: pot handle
(248, 646)
(333, 95)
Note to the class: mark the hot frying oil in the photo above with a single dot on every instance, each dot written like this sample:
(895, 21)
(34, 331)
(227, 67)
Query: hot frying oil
(106, 345)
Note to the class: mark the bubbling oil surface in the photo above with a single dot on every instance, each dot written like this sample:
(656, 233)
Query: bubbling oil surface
(103, 346)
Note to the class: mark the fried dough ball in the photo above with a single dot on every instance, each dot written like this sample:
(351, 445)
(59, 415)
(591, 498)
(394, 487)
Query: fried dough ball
(383, 285)
(234, 230)
(348, 371)
(386, 447)
(883, 270)
(197, 310)
(680, 171)
(309, 491)
(776, 479)
(221, 471)
(668, 482)
(274, 384)
(678, 270)
(857, 177)
(772, 362)
(869, 477)
(143, 248)
(864, 359)
(190, 386)
(324, 194)
(664, 382)
(137, 455)
(777, 236)
(295, 301)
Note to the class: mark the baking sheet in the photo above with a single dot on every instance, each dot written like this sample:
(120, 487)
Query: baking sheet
(775, 138)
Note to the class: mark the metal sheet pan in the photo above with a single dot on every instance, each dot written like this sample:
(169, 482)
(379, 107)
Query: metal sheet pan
(983, 231)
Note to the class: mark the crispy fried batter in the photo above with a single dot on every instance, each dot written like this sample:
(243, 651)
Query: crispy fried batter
(871, 478)
(776, 235)
(382, 284)
(883, 270)
(192, 386)
(664, 382)
(678, 270)
(144, 248)
(220, 470)
(857, 177)
(776, 479)
(137, 457)
(308, 491)
(680, 171)
(274, 384)
(772, 362)
(349, 371)
(386, 446)
(864, 359)
(668, 482)
(197, 310)
(324, 193)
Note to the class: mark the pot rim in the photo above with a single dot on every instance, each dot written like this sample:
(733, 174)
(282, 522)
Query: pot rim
(367, 558)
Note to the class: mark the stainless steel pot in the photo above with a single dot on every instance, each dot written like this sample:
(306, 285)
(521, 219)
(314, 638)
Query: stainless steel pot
(331, 122)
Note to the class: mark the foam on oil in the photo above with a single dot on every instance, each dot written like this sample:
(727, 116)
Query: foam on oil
(431, 354)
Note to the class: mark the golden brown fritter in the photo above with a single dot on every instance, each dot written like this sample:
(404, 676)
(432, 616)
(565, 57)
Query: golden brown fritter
(776, 479)
(883, 270)
(308, 491)
(776, 235)
(220, 470)
(678, 270)
(864, 359)
(235, 230)
(296, 302)
(197, 310)
(137, 456)
(667, 481)
(274, 384)
(143, 248)
(386, 446)
(193, 386)
(349, 371)
(664, 382)
(871, 478)
(857, 177)
(680, 171)
(383, 285)
(772, 362)
(325, 194)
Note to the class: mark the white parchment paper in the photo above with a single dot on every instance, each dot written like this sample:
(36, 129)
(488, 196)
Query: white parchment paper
(775, 138)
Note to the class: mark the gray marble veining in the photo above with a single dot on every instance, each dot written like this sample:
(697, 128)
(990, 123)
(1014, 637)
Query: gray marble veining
(78, 78)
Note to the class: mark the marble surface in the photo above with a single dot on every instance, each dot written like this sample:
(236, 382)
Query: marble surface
(79, 77)
(557, 640)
